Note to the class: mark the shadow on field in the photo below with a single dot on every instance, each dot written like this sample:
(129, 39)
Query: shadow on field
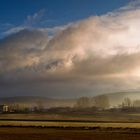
(55, 133)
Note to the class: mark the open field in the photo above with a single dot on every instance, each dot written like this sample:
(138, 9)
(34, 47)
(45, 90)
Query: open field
(69, 124)
(15, 133)
(75, 120)
(69, 127)
(86, 116)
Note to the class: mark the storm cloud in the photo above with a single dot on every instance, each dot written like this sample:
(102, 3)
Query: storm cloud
(96, 55)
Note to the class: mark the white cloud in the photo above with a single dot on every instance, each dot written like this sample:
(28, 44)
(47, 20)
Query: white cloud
(35, 18)
(29, 23)
(14, 30)
(97, 54)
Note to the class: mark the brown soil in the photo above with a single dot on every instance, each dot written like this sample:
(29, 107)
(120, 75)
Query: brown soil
(18, 133)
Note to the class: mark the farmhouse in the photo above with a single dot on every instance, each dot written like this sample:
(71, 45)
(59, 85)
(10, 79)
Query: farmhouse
(4, 108)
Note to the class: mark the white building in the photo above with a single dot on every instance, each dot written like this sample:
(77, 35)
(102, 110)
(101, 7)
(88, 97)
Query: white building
(4, 108)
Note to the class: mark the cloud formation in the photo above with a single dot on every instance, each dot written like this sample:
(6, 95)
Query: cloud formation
(36, 17)
(95, 55)
(30, 22)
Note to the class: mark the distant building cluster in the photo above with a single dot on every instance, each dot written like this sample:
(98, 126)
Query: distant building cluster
(4, 108)
(16, 108)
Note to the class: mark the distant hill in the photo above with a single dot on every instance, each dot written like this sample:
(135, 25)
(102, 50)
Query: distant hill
(114, 98)
(35, 100)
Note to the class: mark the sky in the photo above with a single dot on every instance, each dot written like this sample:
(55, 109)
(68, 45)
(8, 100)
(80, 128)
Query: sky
(50, 13)
(68, 49)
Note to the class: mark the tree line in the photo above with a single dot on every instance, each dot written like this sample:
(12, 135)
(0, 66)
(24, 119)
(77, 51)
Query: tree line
(101, 101)
(127, 102)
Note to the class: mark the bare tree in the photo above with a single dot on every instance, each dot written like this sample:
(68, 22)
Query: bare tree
(136, 103)
(40, 105)
(127, 102)
(102, 101)
(83, 102)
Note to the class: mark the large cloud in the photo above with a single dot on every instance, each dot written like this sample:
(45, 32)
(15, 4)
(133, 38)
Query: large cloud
(95, 55)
